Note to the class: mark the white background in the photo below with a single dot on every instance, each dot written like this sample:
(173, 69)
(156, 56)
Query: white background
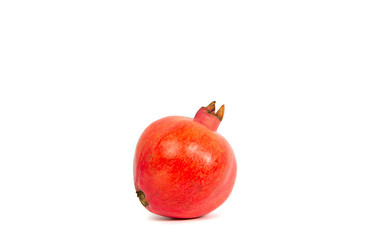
(301, 80)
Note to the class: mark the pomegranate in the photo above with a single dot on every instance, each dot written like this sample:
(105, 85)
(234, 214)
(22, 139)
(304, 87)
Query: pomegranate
(183, 168)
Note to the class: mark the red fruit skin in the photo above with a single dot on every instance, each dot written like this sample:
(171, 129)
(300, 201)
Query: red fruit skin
(184, 168)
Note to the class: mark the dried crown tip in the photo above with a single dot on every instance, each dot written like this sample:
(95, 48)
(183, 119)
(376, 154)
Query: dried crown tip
(211, 107)
(220, 113)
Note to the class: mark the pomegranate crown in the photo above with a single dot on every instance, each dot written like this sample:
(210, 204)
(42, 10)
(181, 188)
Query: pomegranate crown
(208, 117)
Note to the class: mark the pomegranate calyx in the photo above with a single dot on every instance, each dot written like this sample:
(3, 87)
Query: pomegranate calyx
(208, 117)
(211, 109)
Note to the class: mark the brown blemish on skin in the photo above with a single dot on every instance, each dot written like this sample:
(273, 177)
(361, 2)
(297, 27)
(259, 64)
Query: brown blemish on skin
(142, 198)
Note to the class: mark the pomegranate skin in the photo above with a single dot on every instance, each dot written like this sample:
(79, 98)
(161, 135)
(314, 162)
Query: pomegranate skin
(182, 168)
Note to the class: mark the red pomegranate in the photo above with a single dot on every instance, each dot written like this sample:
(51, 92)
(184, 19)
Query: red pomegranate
(183, 168)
